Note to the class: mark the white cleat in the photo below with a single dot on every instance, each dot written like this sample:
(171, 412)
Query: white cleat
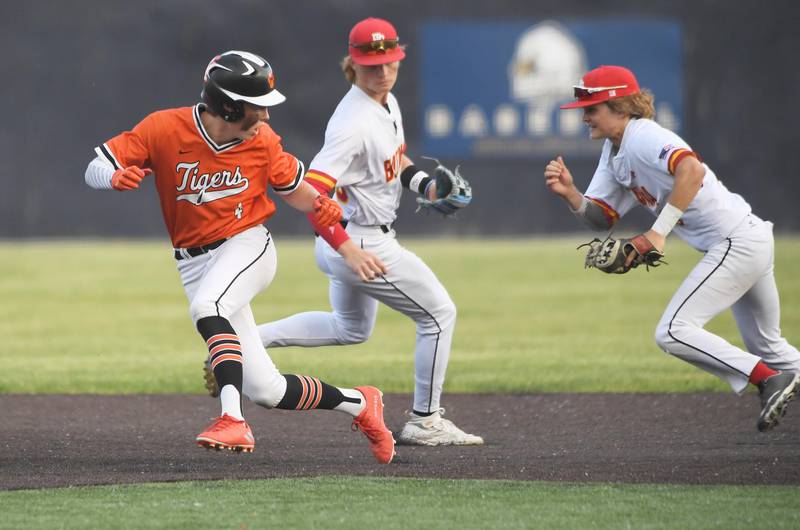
(434, 430)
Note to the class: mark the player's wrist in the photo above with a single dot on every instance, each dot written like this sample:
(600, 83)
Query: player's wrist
(577, 205)
(416, 180)
(667, 219)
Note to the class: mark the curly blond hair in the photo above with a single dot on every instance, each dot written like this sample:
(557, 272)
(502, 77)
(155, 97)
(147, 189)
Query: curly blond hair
(639, 105)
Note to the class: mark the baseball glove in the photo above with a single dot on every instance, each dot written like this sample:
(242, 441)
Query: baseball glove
(612, 255)
(211, 380)
(453, 192)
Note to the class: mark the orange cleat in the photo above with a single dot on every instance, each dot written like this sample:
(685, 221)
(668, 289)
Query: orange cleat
(370, 422)
(227, 433)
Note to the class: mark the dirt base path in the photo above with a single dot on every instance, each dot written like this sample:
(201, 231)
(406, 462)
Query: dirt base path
(57, 440)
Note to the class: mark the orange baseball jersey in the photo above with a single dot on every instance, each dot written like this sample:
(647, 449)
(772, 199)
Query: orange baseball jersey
(207, 191)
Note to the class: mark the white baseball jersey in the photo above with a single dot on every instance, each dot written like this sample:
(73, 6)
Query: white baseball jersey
(642, 173)
(364, 145)
(735, 272)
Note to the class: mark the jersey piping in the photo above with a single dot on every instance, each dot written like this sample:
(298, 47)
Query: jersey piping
(207, 137)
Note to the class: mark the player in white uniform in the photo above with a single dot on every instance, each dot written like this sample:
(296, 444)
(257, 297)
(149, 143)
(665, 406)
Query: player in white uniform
(643, 164)
(364, 160)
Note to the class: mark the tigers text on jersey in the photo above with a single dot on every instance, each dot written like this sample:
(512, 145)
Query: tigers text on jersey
(207, 191)
(642, 173)
(364, 145)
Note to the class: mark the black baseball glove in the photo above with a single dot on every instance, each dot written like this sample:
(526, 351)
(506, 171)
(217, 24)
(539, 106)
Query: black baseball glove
(453, 192)
(614, 255)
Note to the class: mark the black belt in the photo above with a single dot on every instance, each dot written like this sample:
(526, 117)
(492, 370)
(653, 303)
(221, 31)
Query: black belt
(384, 228)
(197, 251)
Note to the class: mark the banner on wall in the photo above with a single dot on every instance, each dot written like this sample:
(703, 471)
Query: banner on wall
(493, 89)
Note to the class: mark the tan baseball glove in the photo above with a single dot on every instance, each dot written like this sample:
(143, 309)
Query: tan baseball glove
(618, 256)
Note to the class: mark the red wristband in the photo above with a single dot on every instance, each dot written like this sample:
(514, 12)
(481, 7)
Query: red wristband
(334, 235)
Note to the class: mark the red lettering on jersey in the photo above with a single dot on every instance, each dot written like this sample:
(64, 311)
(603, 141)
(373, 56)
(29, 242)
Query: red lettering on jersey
(388, 170)
(391, 167)
(644, 196)
(342, 195)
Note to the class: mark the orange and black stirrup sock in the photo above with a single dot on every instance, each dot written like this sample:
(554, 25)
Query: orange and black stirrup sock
(307, 393)
(224, 350)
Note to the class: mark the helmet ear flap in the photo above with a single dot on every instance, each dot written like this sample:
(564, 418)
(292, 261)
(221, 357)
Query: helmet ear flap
(233, 111)
(221, 104)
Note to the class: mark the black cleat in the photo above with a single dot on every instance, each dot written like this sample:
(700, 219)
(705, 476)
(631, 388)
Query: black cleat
(776, 392)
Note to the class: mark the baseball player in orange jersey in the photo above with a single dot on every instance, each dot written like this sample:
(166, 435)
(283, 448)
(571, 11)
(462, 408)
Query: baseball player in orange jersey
(643, 164)
(212, 163)
(364, 160)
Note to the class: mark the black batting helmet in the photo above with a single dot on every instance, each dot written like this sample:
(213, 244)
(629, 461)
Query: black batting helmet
(234, 78)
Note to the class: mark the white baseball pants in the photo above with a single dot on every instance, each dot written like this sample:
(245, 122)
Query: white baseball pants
(738, 272)
(222, 283)
(410, 287)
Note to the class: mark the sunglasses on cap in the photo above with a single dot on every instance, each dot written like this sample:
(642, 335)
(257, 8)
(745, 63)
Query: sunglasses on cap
(377, 46)
(582, 92)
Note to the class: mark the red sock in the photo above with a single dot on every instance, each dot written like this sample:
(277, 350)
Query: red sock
(760, 372)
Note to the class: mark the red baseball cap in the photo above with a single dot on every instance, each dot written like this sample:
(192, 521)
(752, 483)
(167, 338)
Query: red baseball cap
(602, 84)
(374, 41)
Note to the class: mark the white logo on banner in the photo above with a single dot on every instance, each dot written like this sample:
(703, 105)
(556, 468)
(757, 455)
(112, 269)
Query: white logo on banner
(546, 62)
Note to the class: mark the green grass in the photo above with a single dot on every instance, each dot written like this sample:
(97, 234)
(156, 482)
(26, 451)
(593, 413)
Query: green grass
(111, 317)
(344, 502)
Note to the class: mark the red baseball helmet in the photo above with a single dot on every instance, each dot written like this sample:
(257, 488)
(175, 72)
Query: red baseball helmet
(374, 41)
(602, 84)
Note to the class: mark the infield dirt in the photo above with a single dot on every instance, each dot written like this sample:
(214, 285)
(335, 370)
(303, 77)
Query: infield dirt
(70, 440)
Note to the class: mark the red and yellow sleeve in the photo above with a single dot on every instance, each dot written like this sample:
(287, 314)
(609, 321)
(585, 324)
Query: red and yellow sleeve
(322, 182)
(611, 214)
(676, 156)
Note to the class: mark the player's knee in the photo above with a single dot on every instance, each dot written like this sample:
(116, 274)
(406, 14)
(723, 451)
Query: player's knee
(662, 337)
(202, 308)
(448, 314)
(441, 318)
(267, 392)
(353, 332)
(668, 333)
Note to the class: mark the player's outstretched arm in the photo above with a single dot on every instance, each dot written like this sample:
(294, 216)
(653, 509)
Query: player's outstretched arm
(325, 211)
(689, 177)
(101, 176)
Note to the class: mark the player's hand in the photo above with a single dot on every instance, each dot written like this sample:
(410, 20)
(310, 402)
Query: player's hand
(128, 178)
(327, 212)
(558, 178)
(367, 265)
(657, 240)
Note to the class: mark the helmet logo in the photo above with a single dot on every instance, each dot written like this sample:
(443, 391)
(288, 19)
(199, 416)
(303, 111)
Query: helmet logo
(378, 36)
(271, 80)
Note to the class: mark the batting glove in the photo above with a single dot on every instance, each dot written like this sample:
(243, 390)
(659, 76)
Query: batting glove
(128, 178)
(327, 212)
